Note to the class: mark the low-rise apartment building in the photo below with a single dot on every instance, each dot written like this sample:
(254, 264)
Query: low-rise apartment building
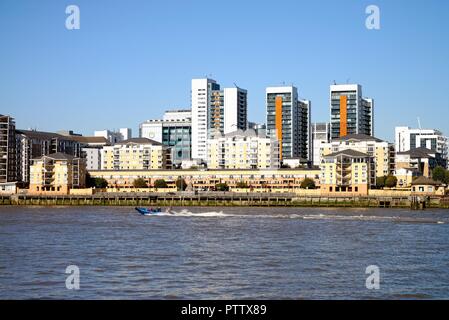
(420, 161)
(135, 154)
(346, 172)
(33, 144)
(381, 151)
(56, 174)
(242, 150)
(282, 180)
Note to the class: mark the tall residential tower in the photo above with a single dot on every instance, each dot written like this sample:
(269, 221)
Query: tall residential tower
(288, 120)
(8, 156)
(350, 113)
(215, 111)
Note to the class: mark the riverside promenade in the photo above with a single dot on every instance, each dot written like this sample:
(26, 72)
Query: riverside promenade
(218, 199)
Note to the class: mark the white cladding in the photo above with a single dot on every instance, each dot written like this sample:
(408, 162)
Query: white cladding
(126, 133)
(93, 158)
(407, 138)
(200, 100)
(151, 129)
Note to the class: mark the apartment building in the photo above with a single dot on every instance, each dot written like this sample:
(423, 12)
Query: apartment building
(215, 110)
(57, 173)
(346, 172)
(350, 112)
(269, 180)
(33, 144)
(407, 139)
(228, 110)
(8, 158)
(381, 151)
(419, 161)
(114, 136)
(320, 136)
(135, 154)
(242, 150)
(288, 121)
(200, 97)
(173, 131)
(91, 150)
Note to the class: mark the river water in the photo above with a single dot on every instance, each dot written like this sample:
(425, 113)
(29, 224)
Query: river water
(223, 253)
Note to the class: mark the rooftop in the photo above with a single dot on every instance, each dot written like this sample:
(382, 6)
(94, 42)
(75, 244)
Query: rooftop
(348, 152)
(139, 141)
(419, 153)
(358, 137)
(425, 181)
(39, 134)
(57, 156)
(87, 140)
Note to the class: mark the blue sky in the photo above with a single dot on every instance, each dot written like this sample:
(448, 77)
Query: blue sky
(131, 60)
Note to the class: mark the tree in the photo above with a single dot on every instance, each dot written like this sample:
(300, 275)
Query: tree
(440, 174)
(160, 183)
(391, 181)
(181, 184)
(446, 177)
(222, 187)
(140, 183)
(380, 182)
(241, 185)
(99, 183)
(307, 183)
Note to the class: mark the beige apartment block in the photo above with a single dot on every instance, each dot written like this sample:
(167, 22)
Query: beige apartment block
(135, 154)
(346, 172)
(56, 174)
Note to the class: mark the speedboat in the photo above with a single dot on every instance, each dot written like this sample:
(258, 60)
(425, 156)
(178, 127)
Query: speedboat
(146, 211)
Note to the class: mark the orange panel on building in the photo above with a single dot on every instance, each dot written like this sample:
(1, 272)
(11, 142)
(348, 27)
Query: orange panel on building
(278, 120)
(343, 116)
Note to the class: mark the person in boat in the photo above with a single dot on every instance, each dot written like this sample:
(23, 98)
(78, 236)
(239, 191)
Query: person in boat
(159, 209)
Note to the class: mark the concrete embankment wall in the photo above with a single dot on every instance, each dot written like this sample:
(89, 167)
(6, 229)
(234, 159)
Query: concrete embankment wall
(215, 199)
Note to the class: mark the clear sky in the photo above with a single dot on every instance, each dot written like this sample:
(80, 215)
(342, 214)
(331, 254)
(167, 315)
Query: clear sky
(133, 59)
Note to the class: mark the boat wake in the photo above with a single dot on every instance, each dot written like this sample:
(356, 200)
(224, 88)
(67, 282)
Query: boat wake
(187, 213)
(361, 217)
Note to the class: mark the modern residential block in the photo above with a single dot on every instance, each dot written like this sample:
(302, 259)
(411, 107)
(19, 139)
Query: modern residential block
(407, 139)
(215, 110)
(135, 154)
(34, 144)
(8, 156)
(174, 131)
(321, 135)
(379, 150)
(114, 136)
(242, 150)
(200, 97)
(350, 113)
(57, 174)
(91, 150)
(420, 161)
(288, 120)
(346, 172)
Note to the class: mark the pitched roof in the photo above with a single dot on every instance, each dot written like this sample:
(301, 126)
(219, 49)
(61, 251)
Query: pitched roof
(83, 139)
(358, 137)
(419, 153)
(425, 181)
(39, 134)
(348, 152)
(139, 141)
(57, 156)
